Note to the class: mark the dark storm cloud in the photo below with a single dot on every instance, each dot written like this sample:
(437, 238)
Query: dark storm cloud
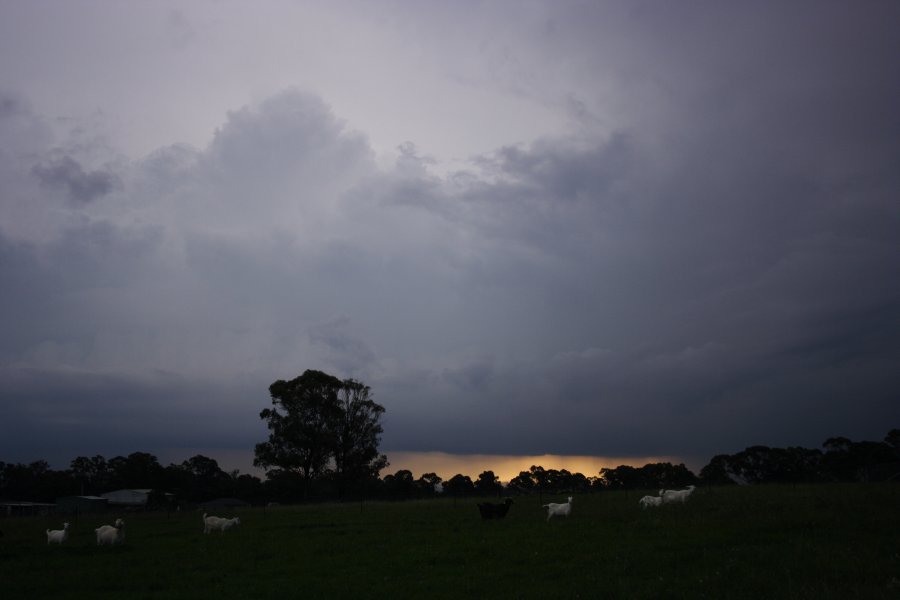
(731, 296)
(716, 268)
(103, 315)
(23, 134)
(49, 412)
(344, 351)
(68, 175)
(10, 106)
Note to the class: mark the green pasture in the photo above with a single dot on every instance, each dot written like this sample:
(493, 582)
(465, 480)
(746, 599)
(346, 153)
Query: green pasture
(817, 541)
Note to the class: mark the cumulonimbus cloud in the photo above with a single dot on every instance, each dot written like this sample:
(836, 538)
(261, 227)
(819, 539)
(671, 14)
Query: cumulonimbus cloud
(716, 269)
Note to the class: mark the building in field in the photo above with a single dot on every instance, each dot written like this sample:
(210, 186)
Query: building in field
(26, 509)
(128, 498)
(75, 505)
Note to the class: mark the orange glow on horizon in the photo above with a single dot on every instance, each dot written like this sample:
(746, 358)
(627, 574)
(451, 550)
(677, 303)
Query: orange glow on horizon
(444, 464)
(507, 466)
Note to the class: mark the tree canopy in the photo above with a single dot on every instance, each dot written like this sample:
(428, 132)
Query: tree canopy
(321, 427)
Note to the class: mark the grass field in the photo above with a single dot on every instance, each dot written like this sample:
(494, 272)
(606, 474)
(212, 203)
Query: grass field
(822, 541)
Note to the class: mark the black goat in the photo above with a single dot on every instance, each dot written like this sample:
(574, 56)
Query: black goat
(494, 511)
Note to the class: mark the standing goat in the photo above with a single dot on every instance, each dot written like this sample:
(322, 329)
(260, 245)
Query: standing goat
(562, 510)
(111, 534)
(650, 501)
(218, 523)
(58, 536)
(669, 496)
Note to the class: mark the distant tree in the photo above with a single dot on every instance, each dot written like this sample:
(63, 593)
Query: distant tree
(459, 485)
(488, 484)
(35, 482)
(621, 478)
(400, 485)
(538, 476)
(837, 444)
(138, 470)
(859, 461)
(92, 474)
(892, 439)
(762, 464)
(204, 468)
(563, 480)
(203, 479)
(427, 484)
(796, 464)
(356, 456)
(522, 483)
(846, 460)
(557, 480)
(579, 483)
(755, 464)
(247, 487)
(716, 472)
(596, 483)
(651, 476)
(666, 475)
(284, 485)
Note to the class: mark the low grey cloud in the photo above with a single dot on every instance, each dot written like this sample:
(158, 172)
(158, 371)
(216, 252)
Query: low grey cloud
(68, 175)
(344, 352)
(180, 31)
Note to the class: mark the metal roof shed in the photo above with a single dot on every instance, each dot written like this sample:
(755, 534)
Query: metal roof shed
(73, 505)
(127, 497)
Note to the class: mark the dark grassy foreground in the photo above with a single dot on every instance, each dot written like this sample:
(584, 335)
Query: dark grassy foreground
(834, 541)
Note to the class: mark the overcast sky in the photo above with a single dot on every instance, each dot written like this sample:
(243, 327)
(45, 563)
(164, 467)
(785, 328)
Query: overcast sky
(569, 228)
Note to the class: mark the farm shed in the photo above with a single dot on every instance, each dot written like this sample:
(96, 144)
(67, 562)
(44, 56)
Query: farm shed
(25, 509)
(136, 498)
(73, 505)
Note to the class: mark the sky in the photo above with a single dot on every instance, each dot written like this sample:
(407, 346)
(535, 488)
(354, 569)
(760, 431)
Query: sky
(619, 230)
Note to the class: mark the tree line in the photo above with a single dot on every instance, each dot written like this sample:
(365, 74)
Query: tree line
(195, 480)
(841, 459)
(323, 443)
(200, 478)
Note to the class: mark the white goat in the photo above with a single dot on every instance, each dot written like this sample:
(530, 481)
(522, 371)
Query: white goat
(218, 523)
(562, 510)
(111, 534)
(669, 496)
(650, 501)
(58, 536)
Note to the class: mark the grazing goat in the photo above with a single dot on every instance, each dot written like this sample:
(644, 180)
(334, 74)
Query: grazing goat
(562, 510)
(669, 496)
(494, 511)
(213, 523)
(58, 536)
(650, 501)
(111, 534)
